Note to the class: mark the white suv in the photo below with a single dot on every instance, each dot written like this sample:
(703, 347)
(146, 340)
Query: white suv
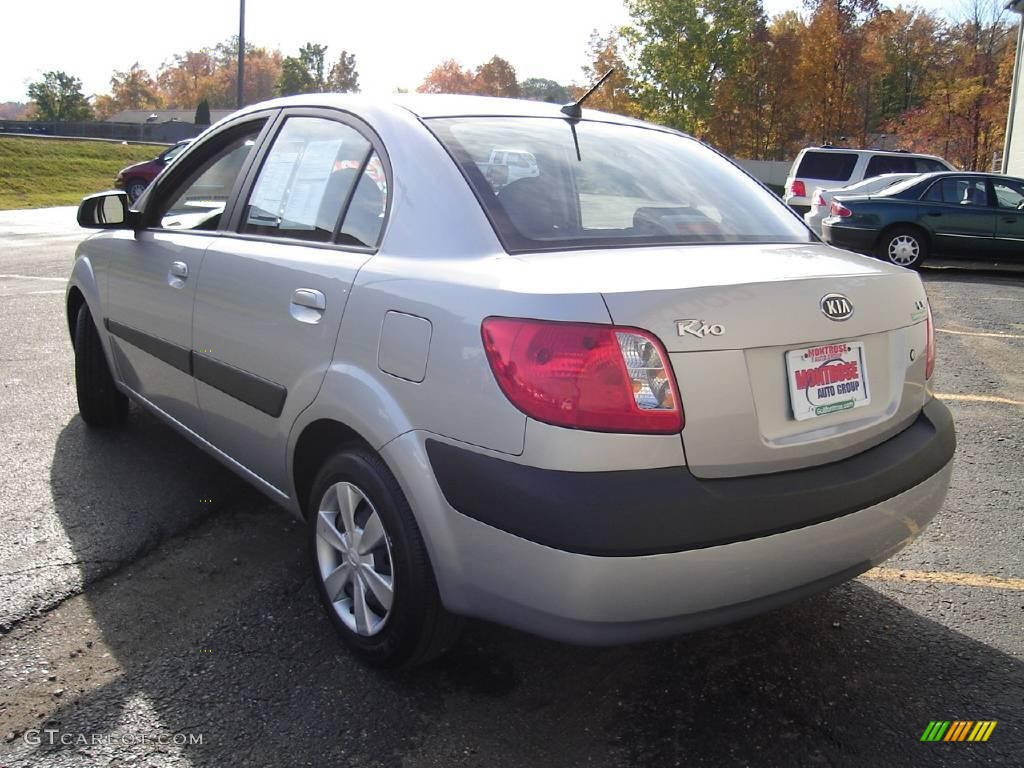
(831, 167)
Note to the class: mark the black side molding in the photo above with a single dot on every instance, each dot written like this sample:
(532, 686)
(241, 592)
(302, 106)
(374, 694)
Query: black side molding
(172, 354)
(654, 511)
(251, 389)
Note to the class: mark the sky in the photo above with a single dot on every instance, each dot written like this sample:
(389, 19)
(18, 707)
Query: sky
(395, 43)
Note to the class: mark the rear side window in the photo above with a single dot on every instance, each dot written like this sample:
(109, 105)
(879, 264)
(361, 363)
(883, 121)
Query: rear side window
(831, 166)
(590, 184)
(306, 180)
(880, 164)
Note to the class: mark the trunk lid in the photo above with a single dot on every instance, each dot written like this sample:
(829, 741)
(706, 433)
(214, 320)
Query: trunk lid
(728, 316)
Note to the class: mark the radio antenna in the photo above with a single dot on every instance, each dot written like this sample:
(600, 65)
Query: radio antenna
(574, 109)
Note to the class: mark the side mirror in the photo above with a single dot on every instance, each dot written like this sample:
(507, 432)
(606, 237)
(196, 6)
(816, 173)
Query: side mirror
(106, 210)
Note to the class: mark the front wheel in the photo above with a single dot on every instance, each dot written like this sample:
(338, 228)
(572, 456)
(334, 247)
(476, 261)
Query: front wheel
(99, 401)
(904, 247)
(135, 189)
(371, 566)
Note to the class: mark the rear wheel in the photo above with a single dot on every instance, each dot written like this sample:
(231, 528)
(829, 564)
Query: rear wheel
(371, 565)
(99, 402)
(903, 246)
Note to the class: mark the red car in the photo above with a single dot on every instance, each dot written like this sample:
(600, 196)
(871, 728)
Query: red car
(135, 178)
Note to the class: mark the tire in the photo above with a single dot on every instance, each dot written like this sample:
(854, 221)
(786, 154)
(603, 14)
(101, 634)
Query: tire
(135, 188)
(903, 246)
(409, 626)
(99, 402)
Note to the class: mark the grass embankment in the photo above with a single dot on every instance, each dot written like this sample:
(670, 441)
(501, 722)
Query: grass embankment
(35, 173)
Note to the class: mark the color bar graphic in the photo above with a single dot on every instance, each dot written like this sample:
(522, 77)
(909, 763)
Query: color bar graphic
(958, 730)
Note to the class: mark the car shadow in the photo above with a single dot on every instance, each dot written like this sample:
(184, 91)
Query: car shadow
(220, 634)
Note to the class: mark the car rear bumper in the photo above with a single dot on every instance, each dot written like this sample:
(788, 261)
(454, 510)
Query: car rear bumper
(582, 597)
(849, 238)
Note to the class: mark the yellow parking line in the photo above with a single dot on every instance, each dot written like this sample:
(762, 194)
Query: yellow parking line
(979, 399)
(979, 333)
(945, 577)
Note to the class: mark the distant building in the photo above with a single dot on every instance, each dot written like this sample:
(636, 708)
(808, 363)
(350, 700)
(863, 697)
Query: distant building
(164, 115)
(1013, 152)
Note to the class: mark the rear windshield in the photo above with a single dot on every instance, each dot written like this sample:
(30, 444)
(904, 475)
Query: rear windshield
(828, 165)
(612, 185)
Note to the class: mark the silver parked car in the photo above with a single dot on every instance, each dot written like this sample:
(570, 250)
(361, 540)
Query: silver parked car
(625, 397)
(821, 198)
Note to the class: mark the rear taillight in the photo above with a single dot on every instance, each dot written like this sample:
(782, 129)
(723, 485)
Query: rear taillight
(838, 209)
(929, 345)
(819, 200)
(596, 377)
(797, 189)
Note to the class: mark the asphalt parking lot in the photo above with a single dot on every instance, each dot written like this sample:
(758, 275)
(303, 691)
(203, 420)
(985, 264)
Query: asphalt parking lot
(154, 606)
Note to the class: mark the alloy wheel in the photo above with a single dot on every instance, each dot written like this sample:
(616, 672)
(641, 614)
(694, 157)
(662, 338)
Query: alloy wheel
(354, 559)
(904, 250)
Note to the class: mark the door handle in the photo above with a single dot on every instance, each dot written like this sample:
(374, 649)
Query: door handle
(1010, 220)
(310, 298)
(179, 269)
(308, 305)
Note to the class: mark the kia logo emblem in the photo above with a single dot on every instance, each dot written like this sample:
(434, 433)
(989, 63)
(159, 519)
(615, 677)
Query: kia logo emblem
(835, 306)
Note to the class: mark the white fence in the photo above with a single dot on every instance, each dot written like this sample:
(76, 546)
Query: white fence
(770, 172)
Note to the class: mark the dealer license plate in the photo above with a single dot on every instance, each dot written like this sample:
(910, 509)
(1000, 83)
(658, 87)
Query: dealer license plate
(827, 378)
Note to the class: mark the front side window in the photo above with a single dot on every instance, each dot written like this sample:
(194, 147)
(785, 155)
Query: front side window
(591, 184)
(966, 192)
(306, 180)
(198, 202)
(1009, 194)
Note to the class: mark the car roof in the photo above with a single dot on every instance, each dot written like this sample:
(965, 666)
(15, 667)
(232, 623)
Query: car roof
(431, 105)
(863, 151)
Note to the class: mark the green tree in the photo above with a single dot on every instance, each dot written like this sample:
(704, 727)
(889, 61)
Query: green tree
(305, 73)
(202, 113)
(344, 77)
(294, 78)
(58, 96)
(542, 89)
(683, 50)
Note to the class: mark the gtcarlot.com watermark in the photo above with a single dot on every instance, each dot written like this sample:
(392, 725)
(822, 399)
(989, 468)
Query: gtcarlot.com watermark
(53, 737)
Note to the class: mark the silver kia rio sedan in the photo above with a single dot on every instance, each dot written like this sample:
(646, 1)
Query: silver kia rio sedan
(561, 370)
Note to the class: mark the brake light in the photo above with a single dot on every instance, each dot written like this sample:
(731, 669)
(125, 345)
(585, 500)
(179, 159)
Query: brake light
(819, 200)
(797, 189)
(929, 345)
(838, 209)
(584, 376)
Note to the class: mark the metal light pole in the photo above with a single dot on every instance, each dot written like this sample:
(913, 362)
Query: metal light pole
(241, 54)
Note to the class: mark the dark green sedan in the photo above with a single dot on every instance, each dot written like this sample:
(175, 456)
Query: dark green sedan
(955, 214)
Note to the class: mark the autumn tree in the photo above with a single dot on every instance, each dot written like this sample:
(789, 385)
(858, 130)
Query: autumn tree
(963, 117)
(344, 77)
(604, 52)
(757, 109)
(58, 96)
(262, 71)
(684, 49)
(496, 77)
(447, 77)
(192, 76)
